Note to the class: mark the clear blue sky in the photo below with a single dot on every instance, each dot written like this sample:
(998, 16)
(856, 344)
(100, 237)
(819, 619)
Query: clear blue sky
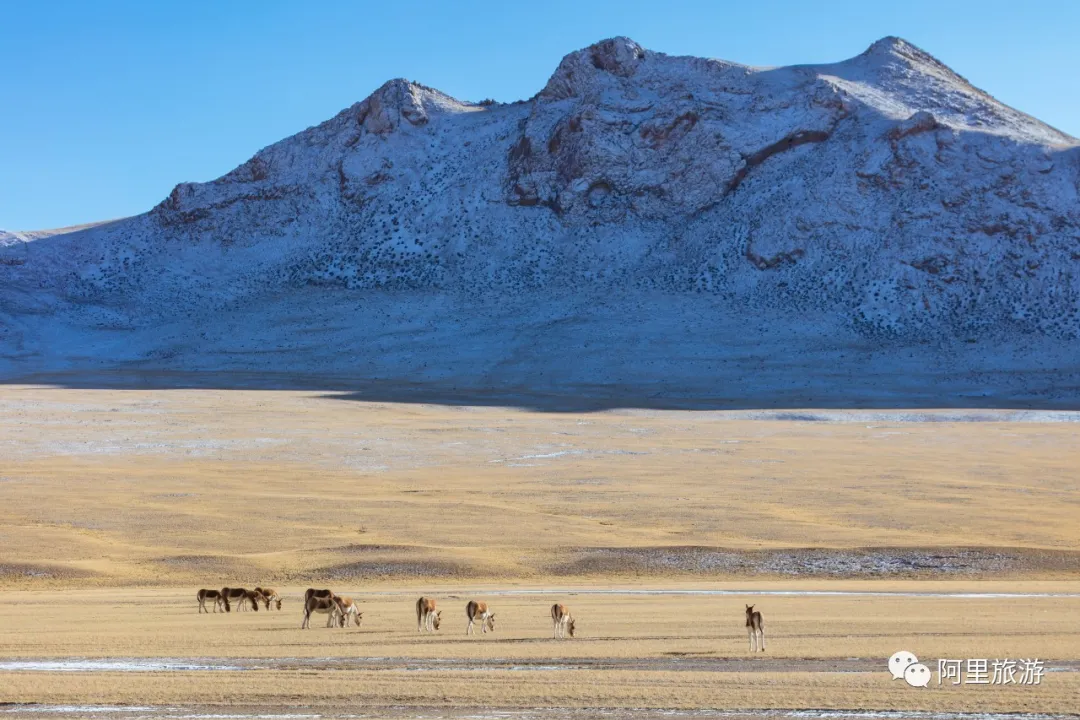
(105, 106)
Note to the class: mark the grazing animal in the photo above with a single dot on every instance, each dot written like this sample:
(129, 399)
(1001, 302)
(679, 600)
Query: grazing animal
(427, 617)
(329, 605)
(219, 600)
(564, 621)
(349, 612)
(755, 627)
(252, 597)
(312, 592)
(238, 594)
(479, 611)
(269, 595)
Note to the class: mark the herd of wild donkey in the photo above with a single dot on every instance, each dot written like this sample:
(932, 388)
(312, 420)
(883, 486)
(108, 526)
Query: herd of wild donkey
(341, 611)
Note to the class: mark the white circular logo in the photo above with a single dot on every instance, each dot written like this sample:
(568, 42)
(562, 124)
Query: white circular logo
(899, 662)
(917, 675)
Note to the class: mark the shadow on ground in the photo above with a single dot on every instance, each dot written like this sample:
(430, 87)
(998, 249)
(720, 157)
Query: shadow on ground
(1051, 400)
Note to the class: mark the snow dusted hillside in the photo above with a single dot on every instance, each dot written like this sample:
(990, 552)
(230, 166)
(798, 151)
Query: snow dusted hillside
(647, 227)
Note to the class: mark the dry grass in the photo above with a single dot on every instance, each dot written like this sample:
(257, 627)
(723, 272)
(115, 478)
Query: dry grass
(663, 652)
(190, 486)
(131, 500)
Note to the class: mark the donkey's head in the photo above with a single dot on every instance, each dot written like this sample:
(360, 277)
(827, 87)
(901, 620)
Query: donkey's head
(491, 622)
(278, 604)
(228, 607)
(570, 627)
(438, 619)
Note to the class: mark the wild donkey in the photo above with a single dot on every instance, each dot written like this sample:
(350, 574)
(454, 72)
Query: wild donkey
(479, 611)
(241, 595)
(564, 621)
(269, 595)
(755, 627)
(350, 612)
(252, 597)
(219, 600)
(312, 592)
(427, 617)
(329, 605)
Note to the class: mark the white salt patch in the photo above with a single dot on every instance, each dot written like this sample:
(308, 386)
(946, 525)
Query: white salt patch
(84, 665)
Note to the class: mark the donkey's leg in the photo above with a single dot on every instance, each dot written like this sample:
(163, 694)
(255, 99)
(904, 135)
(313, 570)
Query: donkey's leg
(762, 631)
(753, 639)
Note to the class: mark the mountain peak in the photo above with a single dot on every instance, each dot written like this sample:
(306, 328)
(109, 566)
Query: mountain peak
(893, 48)
(888, 44)
(619, 56)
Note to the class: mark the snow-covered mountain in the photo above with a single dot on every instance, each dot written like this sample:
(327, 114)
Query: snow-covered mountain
(646, 227)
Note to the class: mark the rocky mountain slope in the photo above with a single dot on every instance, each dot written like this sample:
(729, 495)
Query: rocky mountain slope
(646, 227)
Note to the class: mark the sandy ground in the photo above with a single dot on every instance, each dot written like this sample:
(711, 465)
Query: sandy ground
(115, 506)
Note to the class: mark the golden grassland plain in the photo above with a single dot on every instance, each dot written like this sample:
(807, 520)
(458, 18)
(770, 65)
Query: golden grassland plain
(115, 506)
(199, 486)
(631, 651)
